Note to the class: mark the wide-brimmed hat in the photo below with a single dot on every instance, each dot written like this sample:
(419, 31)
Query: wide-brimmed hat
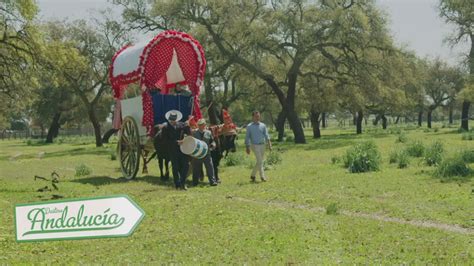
(173, 115)
(201, 121)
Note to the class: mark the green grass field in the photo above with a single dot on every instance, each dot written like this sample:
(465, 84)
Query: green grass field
(310, 212)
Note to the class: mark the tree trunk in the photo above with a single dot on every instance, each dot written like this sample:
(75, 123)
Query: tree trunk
(315, 124)
(377, 119)
(289, 105)
(384, 122)
(429, 117)
(54, 128)
(295, 125)
(397, 120)
(96, 125)
(466, 104)
(324, 120)
(280, 125)
(451, 120)
(108, 134)
(420, 118)
(360, 117)
(465, 115)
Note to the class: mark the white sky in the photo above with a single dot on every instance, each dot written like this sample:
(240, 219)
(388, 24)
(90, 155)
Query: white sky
(413, 23)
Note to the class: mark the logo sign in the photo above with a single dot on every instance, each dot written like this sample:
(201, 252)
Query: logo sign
(114, 216)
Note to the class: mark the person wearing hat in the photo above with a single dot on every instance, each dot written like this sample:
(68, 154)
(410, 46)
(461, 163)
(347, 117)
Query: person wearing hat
(204, 135)
(175, 131)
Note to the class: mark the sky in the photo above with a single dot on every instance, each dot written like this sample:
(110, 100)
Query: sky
(414, 24)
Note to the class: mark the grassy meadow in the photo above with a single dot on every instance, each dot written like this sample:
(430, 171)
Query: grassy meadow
(311, 211)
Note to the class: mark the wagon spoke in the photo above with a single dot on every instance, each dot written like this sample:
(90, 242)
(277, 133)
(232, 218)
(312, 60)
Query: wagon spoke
(125, 155)
(132, 160)
(127, 165)
(125, 139)
(127, 129)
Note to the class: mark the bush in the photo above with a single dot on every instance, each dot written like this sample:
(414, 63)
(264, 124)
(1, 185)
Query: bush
(234, 159)
(273, 158)
(468, 156)
(403, 160)
(416, 149)
(434, 153)
(82, 170)
(467, 136)
(335, 159)
(401, 138)
(395, 131)
(362, 157)
(401, 157)
(113, 156)
(453, 167)
(393, 157)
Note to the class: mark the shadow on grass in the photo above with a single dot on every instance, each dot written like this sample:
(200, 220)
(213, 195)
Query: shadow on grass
(100, 180)
(107, 180)
(327, 144)
(78, 151)
(68, 152)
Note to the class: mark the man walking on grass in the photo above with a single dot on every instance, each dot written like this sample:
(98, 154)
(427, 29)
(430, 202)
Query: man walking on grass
(205, 135)
(255, 139)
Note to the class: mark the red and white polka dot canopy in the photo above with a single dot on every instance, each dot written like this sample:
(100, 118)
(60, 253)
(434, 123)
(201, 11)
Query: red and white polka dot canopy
(169, 58)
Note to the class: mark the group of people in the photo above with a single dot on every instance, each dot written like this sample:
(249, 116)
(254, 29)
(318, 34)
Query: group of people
(256, 138)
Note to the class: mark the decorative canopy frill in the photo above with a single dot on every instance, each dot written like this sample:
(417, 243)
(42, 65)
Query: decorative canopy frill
(168, 59)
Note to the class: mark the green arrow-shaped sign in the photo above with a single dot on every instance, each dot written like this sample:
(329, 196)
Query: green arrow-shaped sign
(113, 216)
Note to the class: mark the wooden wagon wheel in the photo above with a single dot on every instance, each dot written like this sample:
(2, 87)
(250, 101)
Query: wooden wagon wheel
(129, 148)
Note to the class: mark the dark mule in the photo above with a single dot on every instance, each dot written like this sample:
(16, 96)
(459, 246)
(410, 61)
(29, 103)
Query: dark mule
(163, 147)
(224, 144)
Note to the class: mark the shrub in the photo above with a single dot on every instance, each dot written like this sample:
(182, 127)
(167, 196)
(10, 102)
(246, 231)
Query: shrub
(468, 156)
(113, 156)
(234, 159)
(82, 170)
(335, 159)
(434, 153)
(467, 136)
(273, 158)
(453, 167)
(416, 149)
(401, 157)
(401, 138)
(395, 131)
(403, 160)
(393, 157)
(362, 157)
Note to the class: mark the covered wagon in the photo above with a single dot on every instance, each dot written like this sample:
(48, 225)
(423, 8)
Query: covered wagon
(167, 73)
